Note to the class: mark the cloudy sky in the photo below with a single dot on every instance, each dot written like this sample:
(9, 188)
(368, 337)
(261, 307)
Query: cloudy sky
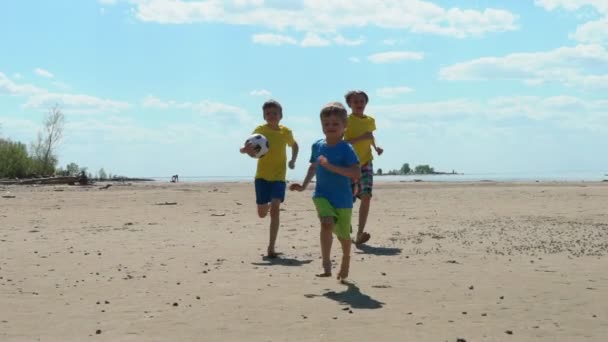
(158, 87)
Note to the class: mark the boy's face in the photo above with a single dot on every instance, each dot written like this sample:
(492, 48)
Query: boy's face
(333, 127)
(357, 103)
(272, 115)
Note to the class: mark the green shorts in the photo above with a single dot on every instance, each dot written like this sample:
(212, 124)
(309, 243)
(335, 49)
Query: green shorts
(342, 217)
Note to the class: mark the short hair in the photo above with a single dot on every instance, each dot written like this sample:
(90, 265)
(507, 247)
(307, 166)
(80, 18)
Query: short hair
(352, 93)
(272, 104)
(334, 109)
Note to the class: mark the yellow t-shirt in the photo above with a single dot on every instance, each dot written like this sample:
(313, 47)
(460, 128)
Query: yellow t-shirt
(272, 166)
(354, 128)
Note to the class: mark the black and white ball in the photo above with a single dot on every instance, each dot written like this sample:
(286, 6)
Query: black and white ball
(260, 144)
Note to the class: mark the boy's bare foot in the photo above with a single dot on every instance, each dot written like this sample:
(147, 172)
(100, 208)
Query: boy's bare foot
(271, 254)
(362, 238)
(326, 270)
(344, 267)
(324, 275)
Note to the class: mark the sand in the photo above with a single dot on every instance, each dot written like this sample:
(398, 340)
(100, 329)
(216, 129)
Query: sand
(183, 262)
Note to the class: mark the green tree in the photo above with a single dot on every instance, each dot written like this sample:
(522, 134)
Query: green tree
(102, 174)
(405, 169)
(423, 169)
(379, 172)
(72, 169)
(14, 160)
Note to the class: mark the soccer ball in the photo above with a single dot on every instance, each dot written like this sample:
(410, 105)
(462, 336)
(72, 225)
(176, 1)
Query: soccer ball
(260, 145)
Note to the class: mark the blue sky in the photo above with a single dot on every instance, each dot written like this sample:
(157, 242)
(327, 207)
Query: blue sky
(158, 87)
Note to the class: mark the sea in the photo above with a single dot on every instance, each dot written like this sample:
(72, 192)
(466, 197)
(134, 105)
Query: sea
(569, 176)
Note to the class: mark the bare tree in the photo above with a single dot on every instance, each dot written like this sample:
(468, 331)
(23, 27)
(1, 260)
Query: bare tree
(48, 139)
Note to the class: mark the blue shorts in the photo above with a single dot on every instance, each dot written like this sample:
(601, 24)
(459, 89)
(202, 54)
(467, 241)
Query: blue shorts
(266, 191)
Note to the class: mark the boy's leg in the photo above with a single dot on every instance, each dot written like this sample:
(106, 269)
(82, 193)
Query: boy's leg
(275, 206)
(327, 227)
(345, 265)
(263, 192)
(365, 201)
(342, 231)
(365, 195)
(327, 215)
(263, 210)
(277, 194)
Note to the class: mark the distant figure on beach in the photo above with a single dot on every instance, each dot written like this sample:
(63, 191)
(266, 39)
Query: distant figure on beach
(175, 179)
(334, 162)
(271, 169)
(359, 132)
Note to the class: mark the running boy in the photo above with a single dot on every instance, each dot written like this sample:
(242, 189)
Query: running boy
(359, 133)
(334, 162)
(271, 170)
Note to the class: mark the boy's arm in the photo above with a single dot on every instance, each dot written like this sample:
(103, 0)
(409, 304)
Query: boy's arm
(309, 176)
(364, 136)
(353, 171)
(294, 154)
(378, 149)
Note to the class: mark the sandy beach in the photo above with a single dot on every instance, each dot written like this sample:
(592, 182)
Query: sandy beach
(184, 262)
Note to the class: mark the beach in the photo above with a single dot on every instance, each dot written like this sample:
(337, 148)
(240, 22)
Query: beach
(480, 261)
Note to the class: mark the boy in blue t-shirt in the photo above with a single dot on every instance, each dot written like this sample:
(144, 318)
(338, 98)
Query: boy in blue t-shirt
(334, 162)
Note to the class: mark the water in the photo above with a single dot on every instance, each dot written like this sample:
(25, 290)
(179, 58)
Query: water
(578, 176)
(501, 177)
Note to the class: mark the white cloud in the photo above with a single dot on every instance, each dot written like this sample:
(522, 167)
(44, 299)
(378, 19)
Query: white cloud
(592, 32)
(76, 103)
(340, 40)
(395, 56)
(311, 39)
(573, 5)
(17, 76)
(156, 103)
(43, 73)
(565, 111)
(19, 126)
(416, 16)
(107, 2)
(354, 59)
(39, 98)
(204, 107)
(260, 92)
(389, 92)
(9, 87)
(314, 40)
(582, 65)
(246, 3)
(272, 39)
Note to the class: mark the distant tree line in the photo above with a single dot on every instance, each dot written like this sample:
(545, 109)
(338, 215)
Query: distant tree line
(407, 170)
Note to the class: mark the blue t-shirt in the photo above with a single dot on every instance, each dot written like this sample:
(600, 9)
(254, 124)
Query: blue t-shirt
(332, 186)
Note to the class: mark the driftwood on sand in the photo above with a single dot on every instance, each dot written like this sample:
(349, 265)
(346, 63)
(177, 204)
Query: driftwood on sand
(71, 180)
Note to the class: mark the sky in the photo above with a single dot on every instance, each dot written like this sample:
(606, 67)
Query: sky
(154, 88)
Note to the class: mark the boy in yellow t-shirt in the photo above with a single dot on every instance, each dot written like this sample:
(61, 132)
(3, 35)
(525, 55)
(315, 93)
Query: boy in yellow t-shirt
(271, 169)
(359, 132)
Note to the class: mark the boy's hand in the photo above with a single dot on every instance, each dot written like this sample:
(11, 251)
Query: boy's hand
(292, 164)
(296, 187)
(248, 149)
(323, 161)
(379, 150)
